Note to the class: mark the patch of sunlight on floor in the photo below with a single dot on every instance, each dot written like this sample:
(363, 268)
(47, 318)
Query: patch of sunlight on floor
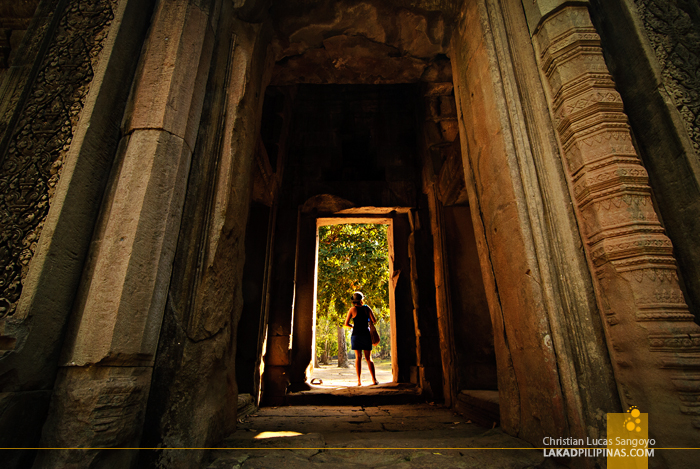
(262, 435)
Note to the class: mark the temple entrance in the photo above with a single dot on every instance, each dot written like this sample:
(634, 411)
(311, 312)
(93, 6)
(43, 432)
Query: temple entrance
(350, 257)
(165, 165)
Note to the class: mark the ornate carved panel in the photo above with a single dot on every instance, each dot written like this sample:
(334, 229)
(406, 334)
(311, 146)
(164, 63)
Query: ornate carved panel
(674, 37)
(31, 166)
(653, 341)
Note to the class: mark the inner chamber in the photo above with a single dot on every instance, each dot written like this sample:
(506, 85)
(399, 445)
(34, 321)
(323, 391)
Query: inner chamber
(366, 150)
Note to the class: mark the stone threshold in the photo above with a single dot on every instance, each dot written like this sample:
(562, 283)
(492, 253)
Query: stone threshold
(381, 394)
(481, 406)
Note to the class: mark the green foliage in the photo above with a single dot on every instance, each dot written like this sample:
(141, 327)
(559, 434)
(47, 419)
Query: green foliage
(351, 257)
(326, 347)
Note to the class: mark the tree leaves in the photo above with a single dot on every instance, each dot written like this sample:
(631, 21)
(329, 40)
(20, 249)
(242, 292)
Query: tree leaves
(351, 257)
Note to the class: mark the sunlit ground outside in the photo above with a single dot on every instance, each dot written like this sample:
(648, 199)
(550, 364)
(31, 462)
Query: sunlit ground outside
(333, 377)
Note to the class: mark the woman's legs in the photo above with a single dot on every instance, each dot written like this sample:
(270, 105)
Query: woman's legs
(358, 365)
(370, 365)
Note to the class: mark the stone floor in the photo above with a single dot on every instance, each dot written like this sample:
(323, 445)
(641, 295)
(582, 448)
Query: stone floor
(401, 436)
(331, 385)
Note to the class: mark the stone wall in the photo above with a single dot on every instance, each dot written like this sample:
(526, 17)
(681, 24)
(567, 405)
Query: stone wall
(60, 128)
(41, 133)
(536, 279)
(544, 148)
(652, 52)
(194, 400)
(673, 28)
(475, 358)
(649, 329)
(111, 340)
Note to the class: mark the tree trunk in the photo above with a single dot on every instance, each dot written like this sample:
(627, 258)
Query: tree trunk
(342, 352)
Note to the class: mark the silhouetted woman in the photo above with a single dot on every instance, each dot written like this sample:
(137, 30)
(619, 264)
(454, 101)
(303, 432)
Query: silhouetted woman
(361, 340)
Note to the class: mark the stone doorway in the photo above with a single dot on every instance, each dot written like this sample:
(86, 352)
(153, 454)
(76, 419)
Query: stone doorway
(476, 96)
(380, 259)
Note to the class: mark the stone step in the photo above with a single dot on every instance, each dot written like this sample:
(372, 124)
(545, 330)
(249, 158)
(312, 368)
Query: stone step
(246, 405)
(382, 394)
(481, 406)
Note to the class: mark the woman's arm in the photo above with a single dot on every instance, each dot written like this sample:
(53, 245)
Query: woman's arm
(371, 316)
(347, 319)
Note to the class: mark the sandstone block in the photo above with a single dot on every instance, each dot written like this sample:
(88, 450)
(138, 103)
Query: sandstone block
(170, 70)
(95, 407)
(537, 10)
(121, 306)
(277, 350)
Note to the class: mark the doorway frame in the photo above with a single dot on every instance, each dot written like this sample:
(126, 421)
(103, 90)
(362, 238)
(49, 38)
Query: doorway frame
(372, 220)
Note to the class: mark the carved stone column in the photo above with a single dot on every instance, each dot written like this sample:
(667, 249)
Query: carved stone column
(102, 389)
(654, 345)
(60, 113)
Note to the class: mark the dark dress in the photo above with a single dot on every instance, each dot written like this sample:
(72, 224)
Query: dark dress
(361, 338)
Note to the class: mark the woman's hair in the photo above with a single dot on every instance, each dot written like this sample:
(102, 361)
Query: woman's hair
(357, 297)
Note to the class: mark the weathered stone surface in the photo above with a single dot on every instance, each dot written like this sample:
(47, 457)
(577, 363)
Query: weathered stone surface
(538, 9)
(522, 345)
(652, 54)
(198, 345)
(358, 43)
(119, 309)
(163, 97)
(356, 147)
(33, 150)
(475, 357)
(350, 59)
(278, 350)
(15, 19)
(304, 328)
(36, 333)
(415, 436)
(637, 283)
(111, 402)
(122, 303)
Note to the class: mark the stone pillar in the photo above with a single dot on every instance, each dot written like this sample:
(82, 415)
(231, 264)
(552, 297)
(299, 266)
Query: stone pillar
(193, 397)
(102, 390)
(443, 307)
(554, 377)
(650, 47)
(403, 329)
(278, 353)
(304, 322)
(61, 105)
(654, 345)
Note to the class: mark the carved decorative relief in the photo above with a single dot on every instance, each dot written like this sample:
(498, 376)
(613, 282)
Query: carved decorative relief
(636, 279)
(31, 166)
(674, 37)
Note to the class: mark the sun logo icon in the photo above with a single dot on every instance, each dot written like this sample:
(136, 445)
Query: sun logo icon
(632, 423)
